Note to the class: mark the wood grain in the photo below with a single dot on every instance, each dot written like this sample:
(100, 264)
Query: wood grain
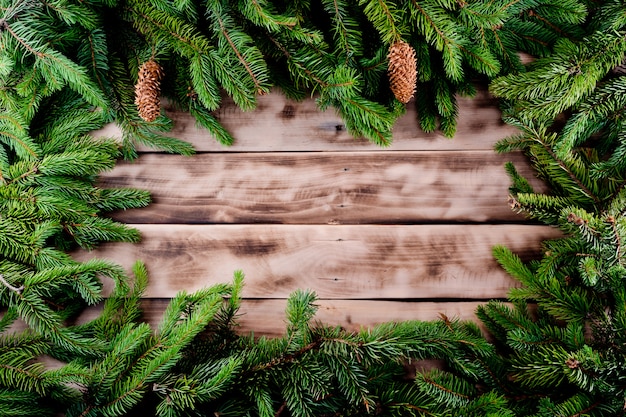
(282, 125)
(321, 187)
(266, 317)
(338, 262)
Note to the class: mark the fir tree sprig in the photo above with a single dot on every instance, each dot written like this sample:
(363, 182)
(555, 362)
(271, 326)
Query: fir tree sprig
(560, 334)
(558, 343)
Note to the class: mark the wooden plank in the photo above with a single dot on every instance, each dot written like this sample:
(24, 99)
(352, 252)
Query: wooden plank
(280, 124)
(267, 317)
(338, 262)
(321, 187)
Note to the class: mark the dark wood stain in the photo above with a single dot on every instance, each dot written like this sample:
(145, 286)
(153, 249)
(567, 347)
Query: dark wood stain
(288, 112)
(283, 161)
(283, 281)
(252, 247)
(434, 270)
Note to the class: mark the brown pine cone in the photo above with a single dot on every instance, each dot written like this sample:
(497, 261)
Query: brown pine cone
(148, 90)
(402, 71)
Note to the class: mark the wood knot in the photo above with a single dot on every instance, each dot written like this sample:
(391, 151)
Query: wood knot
(289, 112)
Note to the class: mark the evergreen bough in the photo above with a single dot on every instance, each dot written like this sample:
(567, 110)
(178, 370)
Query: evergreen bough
(67, 68)
(336, 49)
(562, 339)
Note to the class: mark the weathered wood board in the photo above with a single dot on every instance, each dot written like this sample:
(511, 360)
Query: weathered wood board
(267, 316)
(297, 203)
(338, 262)
(320, 187)
(279, 124)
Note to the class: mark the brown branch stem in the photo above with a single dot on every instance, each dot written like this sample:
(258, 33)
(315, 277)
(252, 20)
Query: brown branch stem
(11, 287)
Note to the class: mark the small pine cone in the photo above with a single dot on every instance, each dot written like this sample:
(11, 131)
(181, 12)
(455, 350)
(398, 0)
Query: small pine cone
(148, 90)
(402, 70)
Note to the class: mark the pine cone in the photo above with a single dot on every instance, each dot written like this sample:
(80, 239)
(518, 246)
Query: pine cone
(148, 90)
(402, 70)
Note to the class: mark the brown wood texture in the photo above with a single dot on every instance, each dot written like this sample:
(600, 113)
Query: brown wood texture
(267, 316)
(320, 187)
(380, 235)
(279, 124)
(338, 262)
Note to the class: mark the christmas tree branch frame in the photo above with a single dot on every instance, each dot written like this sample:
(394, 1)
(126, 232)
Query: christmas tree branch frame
(566, 357)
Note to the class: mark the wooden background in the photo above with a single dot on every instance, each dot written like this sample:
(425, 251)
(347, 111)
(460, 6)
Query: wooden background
(381, 235)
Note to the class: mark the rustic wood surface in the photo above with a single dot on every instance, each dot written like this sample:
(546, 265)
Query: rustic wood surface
(338, 262)
(380, 234)
(320, 187)
(267, 316)
(279, 124)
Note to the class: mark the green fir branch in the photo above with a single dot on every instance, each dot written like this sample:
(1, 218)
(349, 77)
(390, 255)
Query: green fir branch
(386, 17)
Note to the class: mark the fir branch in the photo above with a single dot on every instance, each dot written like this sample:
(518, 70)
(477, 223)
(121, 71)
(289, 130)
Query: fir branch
(33, 51)
(242, 82)
(453, 392)
(481, 60)
(534, 14)
(25, 144)
(72, 14)
(383, 15)
(285, 359)
(292, 59)
(368, 119)
(25, 378)
(566, 77)
(240, 57)
(512, 264)
(43, 320)
(208, 121)
(189, 39)
(569, 172)
(95, 53)
(438, 29)
(345, 28)
(204, 82)
(262, 13)
(124, 346)
(537, 135)
(53, 65)
(607, 102)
